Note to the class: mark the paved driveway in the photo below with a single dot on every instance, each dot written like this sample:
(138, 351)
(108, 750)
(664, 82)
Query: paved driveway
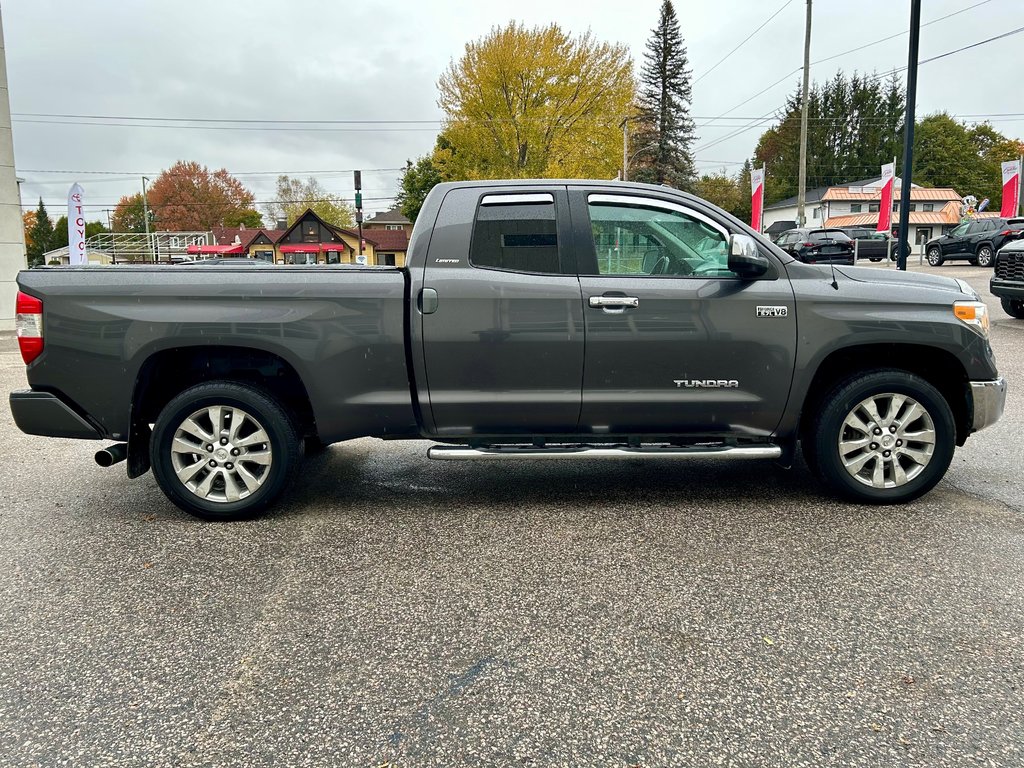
(400, 611)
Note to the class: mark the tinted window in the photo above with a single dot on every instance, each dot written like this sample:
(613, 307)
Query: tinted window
(637, 240)
(517, 237)
(830, 234)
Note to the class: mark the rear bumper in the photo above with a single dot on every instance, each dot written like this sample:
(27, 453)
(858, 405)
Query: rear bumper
(43, 413)
(988, 399)
(1006, 289)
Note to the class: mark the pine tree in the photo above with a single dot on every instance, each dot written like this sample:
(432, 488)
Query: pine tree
(665, 129)
(855, 124)
(42, 236)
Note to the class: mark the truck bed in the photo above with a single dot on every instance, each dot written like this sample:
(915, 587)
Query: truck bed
(331, 324)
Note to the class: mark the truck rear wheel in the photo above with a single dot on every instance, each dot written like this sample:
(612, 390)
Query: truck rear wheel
(224, 451)
(884, 437)
(1013, 307)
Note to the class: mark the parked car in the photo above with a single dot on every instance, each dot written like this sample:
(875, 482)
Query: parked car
(974, 241)
(534, 320)
(1008, 278)
(870, 244)
(817, 246)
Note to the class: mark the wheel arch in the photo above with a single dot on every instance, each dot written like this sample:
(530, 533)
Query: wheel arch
(168, 372)
(938, 367)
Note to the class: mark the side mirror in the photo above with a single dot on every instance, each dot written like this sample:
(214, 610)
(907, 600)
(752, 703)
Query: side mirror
(744, 257)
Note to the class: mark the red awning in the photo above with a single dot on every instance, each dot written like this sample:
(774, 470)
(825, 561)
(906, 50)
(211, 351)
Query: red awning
(218, 249)
(302, 248)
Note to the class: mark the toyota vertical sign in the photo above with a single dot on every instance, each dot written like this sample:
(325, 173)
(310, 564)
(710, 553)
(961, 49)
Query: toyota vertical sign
(76, 226)
(1011, 188)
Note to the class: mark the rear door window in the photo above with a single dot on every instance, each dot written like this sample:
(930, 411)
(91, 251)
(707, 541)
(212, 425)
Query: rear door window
(517, 233)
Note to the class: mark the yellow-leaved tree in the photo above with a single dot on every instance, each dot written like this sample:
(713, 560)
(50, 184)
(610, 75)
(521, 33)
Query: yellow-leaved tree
(535, 103)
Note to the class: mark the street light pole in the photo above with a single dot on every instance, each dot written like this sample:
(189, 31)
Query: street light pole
(908, 136)
(145, 217)
(801, 198)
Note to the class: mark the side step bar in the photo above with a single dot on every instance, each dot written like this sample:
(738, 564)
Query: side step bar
(465, 453)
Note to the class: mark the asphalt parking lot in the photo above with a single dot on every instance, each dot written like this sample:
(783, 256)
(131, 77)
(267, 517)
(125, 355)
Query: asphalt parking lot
(400, 611)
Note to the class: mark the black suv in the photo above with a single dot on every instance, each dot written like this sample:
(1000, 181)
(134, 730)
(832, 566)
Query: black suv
(871, 244)
(975, 241)
(815, 246)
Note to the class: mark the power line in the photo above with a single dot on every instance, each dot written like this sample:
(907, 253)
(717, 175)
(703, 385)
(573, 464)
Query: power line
(136, 174)
(755, 123)
(900, 34)
(200, 204)
(747, 38)
(844, 53)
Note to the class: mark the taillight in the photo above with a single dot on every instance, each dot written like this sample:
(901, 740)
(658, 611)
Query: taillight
(28, 324)
(808, 245)
(1006, 232)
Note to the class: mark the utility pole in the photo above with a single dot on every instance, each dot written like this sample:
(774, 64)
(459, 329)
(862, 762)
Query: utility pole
(801, 195)
(902, 248)
(357, 177)
(110, 223)
(625, 147)
(145, 217)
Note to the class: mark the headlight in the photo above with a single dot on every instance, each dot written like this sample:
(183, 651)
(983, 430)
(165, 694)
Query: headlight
(973, 313)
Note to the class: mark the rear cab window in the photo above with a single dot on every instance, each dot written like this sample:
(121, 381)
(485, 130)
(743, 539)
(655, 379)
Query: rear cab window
(518, 232)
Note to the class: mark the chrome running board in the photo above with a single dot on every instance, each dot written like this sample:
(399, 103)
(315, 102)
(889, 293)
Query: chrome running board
(465, 453)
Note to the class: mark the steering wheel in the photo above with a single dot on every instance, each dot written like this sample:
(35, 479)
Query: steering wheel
(661, 266)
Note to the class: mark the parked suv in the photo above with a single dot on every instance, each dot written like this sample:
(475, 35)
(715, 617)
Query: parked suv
(815, 246)
(974, 241)
(871, 245)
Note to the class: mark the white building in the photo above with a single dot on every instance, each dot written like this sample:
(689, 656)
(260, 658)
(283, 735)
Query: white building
(12, 235)
(933, 211)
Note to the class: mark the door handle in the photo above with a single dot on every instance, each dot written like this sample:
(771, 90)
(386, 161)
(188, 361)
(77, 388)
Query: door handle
(614, 302)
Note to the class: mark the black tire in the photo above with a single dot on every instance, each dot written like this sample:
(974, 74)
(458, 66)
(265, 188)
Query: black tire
(935, 257)
(1013, 307)
(985, 255)
(843, 401)
(258, 410)
(875, 258)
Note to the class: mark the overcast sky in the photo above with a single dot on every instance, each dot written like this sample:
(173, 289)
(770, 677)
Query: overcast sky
(305, 60)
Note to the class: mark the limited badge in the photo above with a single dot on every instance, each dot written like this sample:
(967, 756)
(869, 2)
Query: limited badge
(773, 311)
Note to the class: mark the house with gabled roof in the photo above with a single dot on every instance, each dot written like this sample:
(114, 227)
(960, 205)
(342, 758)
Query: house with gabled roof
(308, 240)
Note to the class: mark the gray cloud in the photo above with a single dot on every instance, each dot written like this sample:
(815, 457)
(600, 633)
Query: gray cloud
(380, 61)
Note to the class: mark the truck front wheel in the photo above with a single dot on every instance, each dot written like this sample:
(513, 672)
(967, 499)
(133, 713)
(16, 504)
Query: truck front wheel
(224, 451)
(1013, 307)
(884, 437)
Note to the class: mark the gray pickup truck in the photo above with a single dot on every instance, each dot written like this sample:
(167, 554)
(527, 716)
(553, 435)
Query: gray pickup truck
(534, 320)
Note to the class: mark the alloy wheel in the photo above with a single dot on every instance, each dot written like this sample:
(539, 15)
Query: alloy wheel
(221, 454)
(887, 440)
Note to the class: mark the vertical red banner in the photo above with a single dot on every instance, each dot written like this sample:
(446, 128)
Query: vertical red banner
(1011, 189)
(756, 198)
(885, 205)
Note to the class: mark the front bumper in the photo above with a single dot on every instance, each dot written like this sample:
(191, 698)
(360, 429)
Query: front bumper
(43, 413)
(987, 399)
(1006, 289)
